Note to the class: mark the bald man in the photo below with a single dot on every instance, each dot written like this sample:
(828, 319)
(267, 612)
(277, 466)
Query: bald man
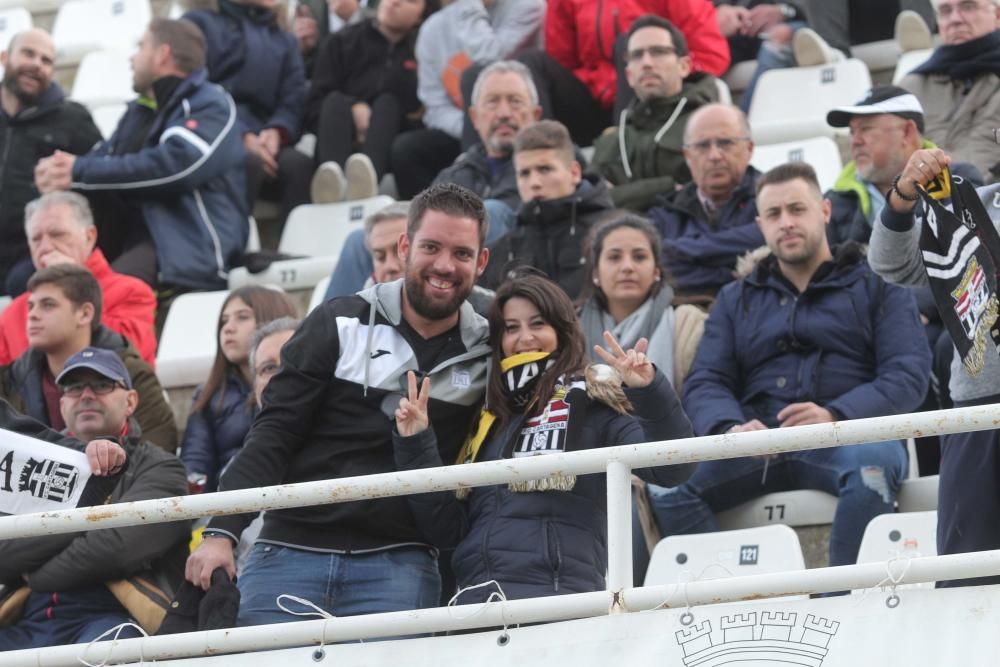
(709, 223)
(36, 120)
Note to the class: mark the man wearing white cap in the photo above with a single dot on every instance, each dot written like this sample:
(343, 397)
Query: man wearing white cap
(886, 129)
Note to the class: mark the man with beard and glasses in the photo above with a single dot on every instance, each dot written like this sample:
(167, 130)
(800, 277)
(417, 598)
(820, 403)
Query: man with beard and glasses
(35, 121)
(812, 335)
(327, 413)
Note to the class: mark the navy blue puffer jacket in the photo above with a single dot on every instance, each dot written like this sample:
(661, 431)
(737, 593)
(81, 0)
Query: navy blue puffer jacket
(216, 432)
(850, 342)
(542, 542)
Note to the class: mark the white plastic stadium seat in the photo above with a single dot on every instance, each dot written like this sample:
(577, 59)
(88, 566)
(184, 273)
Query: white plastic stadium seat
(106, 117)
(188, 344)
(899, 536)
(104, 77)
(908, 62)
(919, 494)
(820, 152)
(13, 21)
(4, 302)
(82, 26)
(729, 553)
(738, 76)
(792, 103)
(253, 240)
(317, 231)
(33, 6)
(791, 508)
(318, 293)
(906, 533)
(725, 96)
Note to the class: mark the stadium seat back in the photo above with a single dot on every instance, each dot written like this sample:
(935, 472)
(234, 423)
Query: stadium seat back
(918, 494)
(904, 533)
(791, 508)
(103, 78)
(107, 116)
(724, 554)
(792, 103)
(320, 229)
(82, 26)
(908, 62)
(188, 342)
(318, 293)
(12, 21)
(820, 152)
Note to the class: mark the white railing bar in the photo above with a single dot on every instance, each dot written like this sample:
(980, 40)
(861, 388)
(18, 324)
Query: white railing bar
(619, 528)
(877, 429)
(532, 610)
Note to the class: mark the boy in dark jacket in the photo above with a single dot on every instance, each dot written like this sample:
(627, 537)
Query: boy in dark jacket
(560, 206)
(811, 336)
(71, 575)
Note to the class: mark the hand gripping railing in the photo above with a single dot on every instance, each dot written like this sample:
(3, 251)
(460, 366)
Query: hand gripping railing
(616, 462)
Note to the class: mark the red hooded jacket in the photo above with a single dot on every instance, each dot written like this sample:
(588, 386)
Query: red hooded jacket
(129, 307)
(580, 35)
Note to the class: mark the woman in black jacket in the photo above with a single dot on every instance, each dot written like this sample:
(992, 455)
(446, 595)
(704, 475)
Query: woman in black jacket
(547, 536)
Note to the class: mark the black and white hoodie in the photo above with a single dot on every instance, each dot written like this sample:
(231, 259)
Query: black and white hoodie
(328, 413)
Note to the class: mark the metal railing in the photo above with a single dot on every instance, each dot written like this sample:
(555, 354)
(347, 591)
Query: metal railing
(615, 462)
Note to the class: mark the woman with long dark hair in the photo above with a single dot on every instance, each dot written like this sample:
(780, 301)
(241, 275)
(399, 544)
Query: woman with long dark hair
(222, 410)
(539, 537)
(629, 294)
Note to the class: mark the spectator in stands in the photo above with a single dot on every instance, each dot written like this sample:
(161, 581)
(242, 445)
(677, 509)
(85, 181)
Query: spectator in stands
(711, 222)
(76, 579)
(463, 33)
(61, 230)
(642, 158)
(629, 294)
(363, 94)
(314, 20)
(886, 129)
(959, 86)
(265, 352)
(370, 255)
(546, 536)
(560, 207)
(759, 30)
(222, 410)
(582, 37)
(258, 63)
(969, 490)
(812, 335)
(64, 316)
(324, 416)
(181, 194)
(36, 120)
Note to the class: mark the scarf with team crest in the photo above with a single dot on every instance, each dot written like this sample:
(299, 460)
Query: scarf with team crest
(550, 431)
(961, 254)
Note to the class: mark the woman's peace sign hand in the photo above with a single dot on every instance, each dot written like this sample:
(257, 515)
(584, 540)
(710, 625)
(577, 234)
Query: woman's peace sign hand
(411, 415)
(634, 366)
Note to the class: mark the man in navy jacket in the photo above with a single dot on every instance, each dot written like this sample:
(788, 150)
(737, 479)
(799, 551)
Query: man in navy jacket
(813, 335)
(185, 181)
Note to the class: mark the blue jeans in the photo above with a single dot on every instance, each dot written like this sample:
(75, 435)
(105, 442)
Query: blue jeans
(354, 267)
(865, 478)
(70, 617)
(341, 584)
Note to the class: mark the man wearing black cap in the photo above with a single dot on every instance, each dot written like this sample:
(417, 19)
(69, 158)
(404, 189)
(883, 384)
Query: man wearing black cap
(76, 579)
(886, 128)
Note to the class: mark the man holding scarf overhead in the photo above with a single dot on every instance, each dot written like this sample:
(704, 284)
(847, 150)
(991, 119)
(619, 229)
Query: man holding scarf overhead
(959, 85)
(937, 230)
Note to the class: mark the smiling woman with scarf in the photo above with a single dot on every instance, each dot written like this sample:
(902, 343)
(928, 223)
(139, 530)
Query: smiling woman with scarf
(628, 295)
(548, 536)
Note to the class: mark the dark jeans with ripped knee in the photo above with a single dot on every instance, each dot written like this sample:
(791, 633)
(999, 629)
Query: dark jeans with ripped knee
(865, 478)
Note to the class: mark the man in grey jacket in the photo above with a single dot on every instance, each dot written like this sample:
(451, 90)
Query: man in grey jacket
(71, 575)
(969, 493)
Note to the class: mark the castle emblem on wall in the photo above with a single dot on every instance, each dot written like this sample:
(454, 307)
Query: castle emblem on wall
(743, 642)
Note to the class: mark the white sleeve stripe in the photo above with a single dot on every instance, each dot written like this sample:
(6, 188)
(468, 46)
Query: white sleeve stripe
(230, 122)
(188, 136)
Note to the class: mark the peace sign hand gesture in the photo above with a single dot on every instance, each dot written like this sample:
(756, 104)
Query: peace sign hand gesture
(634, 366)
(411, 415)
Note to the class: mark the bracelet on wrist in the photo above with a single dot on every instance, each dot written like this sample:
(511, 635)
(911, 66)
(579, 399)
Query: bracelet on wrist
(895, 189)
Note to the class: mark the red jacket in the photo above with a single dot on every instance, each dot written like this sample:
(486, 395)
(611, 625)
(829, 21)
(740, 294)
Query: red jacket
(580, 35)
(129, 308)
